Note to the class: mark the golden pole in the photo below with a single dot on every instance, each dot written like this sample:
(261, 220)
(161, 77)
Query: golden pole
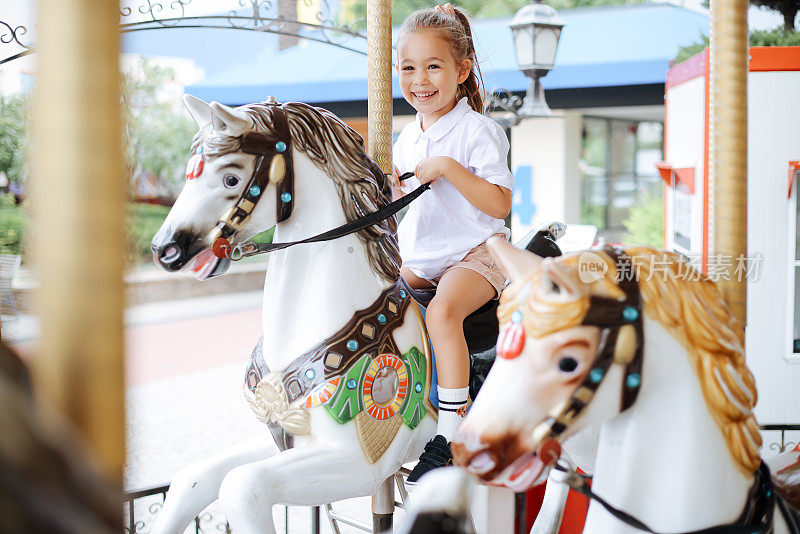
(78, 207)
(379, 82)
(379, 139)
(728, 99)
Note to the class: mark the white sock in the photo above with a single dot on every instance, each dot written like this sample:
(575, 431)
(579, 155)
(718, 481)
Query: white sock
(450, 400)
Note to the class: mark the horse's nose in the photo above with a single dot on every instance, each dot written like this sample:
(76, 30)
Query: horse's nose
(471, 453)
(171, 248)
(168, 255)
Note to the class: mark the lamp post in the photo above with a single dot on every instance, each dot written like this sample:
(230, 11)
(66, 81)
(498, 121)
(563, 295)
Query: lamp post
(536, 30)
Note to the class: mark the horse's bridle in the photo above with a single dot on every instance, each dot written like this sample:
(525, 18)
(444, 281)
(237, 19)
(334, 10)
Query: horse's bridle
(273, 166)
(621, 342)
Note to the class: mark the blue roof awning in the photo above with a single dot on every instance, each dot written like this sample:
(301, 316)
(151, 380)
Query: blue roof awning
(599, 47)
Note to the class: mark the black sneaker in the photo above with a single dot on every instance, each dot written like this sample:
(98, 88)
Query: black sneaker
(436, 454)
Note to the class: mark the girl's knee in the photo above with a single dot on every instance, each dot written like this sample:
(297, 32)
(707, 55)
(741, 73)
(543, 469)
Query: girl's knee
(441, 313)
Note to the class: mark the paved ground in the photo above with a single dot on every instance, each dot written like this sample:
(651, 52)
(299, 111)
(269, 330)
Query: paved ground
(185, 364)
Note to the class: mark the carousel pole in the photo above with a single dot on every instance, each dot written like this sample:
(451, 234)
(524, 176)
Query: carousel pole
(728, 130)
(379, 140)
(79, 235)
(379, 82)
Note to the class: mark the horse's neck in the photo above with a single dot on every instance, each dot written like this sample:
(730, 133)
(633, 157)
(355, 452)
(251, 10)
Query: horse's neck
(312, 290)
(665, 460)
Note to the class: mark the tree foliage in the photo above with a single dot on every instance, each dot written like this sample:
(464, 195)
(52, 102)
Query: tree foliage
(787, 8)
(645, 222)
(158, 134)
(13, 136)
(357, 9)
(776, 37)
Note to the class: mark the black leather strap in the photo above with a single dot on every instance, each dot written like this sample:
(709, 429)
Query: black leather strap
(755, 519)
(251, 249)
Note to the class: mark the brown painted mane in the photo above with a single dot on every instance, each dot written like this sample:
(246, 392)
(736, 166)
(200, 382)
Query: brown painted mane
(337, 150)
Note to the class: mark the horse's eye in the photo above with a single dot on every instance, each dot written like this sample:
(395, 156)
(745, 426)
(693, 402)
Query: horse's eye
(567, 364)
(230, 181)
(554, 288)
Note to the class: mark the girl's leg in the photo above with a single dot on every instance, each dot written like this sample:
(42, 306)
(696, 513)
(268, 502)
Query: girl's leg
(413, 280)
(460, 292)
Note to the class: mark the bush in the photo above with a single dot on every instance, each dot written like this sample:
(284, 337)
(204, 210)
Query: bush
(13, 222)
(645, 222)
(144, 220)
(776, 37)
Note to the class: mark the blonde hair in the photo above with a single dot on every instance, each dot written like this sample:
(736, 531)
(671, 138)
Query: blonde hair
(458, 33)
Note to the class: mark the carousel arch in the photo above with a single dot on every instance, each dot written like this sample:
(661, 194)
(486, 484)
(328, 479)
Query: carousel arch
(254, 16)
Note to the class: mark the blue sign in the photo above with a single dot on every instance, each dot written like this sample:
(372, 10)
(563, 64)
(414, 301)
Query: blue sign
(522, 203)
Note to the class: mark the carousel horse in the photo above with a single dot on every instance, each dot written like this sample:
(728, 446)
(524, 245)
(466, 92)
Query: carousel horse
(637, 341)
(342, 374)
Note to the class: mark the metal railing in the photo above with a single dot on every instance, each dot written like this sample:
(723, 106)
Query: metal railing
(783, 445)
(142, 505)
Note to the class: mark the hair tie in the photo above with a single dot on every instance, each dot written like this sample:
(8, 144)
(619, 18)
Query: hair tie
(447, 9)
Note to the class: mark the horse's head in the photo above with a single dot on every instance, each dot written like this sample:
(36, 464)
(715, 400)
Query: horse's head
(221, 177)
(570, 354)
(240, 181)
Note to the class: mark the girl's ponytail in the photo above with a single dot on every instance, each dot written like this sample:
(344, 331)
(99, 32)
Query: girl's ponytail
(472, 87)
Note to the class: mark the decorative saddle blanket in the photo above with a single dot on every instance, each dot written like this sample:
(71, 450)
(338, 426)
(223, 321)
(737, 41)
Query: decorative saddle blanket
(358, 373)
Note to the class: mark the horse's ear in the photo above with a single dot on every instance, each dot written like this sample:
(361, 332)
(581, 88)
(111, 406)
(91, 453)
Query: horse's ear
(198, 109)
(518, 263)
(229, 120)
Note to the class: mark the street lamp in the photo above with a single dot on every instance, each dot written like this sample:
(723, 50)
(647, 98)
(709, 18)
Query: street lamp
(536, 30)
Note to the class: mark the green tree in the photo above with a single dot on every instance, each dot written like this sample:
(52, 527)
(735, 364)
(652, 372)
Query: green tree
(13, 136)
(357, 9)
(645, 222)
(787, 8)
(775, 37)
(158, 134)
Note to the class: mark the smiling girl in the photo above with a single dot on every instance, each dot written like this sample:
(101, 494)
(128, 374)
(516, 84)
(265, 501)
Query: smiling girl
(443, 235)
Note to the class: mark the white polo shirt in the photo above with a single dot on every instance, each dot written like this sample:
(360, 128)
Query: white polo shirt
(441, 226)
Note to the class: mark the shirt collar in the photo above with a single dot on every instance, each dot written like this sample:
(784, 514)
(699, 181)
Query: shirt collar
(445, 123)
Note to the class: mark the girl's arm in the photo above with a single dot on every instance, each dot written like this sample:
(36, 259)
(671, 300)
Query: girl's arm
(493, 200)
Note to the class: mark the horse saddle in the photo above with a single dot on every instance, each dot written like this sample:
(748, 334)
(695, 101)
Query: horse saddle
(481, 327)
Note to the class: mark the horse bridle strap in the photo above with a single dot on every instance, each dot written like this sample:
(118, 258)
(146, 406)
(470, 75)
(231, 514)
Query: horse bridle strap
(755, 518)
(250, 249)
(621, 342)
(272, 166)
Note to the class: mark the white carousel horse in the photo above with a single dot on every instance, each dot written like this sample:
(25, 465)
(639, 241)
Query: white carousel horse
(659, 364)
(344, 373)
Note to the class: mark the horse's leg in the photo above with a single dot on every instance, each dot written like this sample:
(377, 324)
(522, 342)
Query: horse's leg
(580, 449)
(197, 485)
(309, 476)
(548, 521)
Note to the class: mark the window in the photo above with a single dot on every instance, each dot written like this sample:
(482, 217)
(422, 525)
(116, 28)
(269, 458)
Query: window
(617, 169)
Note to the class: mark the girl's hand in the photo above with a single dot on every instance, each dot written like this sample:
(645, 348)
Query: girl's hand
(396, 178)
(430, 169)
(397, 193)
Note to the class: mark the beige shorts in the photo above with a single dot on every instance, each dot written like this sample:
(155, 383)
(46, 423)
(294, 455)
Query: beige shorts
(480, 260)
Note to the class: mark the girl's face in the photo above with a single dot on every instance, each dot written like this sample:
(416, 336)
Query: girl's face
(429, 74)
